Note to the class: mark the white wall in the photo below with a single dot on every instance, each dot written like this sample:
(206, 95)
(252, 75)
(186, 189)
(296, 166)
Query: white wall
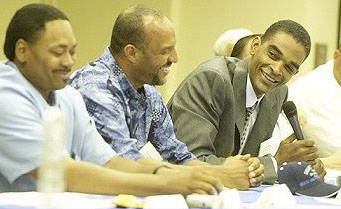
(198, 23)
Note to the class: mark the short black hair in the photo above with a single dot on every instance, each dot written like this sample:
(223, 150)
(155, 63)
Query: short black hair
(297, 31)
(239, 47)
(28, 23)
(129, 27)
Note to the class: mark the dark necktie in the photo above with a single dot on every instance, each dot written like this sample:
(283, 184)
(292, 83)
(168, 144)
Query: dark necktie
(247, 123)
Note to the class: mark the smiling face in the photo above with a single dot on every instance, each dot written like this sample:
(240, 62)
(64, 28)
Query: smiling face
(47, 62)
(158, 54)
(274, 61)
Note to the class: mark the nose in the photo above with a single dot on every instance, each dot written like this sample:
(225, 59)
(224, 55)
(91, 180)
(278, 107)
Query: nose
(277, 68)
(173, 56)
(68, 60)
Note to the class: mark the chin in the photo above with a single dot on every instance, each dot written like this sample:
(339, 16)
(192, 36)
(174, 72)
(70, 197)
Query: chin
(158, 81)
(61, 86)
(162, 82)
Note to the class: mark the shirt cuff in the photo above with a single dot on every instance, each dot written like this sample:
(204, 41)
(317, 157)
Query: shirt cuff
(274, 162)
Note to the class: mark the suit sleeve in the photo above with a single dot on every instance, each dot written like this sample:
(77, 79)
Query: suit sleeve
(270, 173)
(195, 109)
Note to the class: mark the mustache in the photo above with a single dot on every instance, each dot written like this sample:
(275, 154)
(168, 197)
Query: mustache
(67, 70)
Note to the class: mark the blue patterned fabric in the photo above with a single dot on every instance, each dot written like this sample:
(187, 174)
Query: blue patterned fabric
(125, 117)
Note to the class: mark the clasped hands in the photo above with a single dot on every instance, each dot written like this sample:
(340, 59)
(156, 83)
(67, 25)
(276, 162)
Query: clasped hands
(240, 172)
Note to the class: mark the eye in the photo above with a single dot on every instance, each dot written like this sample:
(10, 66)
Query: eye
(167, 51)
(164, 52)
(57, 53)
(291, 70)
(272, 54)
(72, 52)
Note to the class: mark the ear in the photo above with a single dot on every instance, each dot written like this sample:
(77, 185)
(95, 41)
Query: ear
(21, 50)
(256, 42)
(131, 52)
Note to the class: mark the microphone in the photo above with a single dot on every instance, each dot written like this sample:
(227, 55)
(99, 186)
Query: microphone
(291, 113)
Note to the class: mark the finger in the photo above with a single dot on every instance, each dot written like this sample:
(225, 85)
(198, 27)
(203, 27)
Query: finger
(255, 185)
(319, 170)
(216, 183)
(310, 157)
(304, 146)
(319, 167)
(304, 153)
(204, 186)
(311, 162)
(254, 163)
(319, 162)
(238, 156)
(245, 157)
(307, 142)
(199, 191)
(257, 181)
(258, 172)
(289, 139)
(323, 174)
(211, 180)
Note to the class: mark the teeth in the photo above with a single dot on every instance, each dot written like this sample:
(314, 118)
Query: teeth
(269, 78)
(164, 70)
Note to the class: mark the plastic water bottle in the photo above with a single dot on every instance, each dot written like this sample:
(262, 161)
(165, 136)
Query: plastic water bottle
(51, 181)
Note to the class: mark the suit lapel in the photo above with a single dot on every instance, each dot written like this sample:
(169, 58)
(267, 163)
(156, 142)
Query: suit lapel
(239, 88)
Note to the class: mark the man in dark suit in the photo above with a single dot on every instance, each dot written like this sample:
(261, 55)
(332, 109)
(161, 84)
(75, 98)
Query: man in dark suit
(209, 109)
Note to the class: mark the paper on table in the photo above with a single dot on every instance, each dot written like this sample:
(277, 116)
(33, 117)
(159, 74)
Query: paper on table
(277, 196)
(228, 198)
(166, 201)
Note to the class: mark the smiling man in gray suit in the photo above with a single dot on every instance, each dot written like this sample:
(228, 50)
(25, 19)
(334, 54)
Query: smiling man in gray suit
(210, 107)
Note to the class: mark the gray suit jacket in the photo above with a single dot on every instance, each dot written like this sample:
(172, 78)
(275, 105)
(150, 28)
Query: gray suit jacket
(208, 111)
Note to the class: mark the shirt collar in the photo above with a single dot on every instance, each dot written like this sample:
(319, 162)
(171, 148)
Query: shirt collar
(125, 84)
(251, 97)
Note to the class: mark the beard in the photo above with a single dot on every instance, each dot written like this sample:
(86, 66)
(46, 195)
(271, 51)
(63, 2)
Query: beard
(156, 81)
(159, 77)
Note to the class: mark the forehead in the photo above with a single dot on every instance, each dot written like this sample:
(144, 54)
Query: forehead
(288, 46)
(57, 32)
(159, 31)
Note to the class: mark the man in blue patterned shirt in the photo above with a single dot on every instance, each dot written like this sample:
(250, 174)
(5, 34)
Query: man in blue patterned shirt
(118, 89)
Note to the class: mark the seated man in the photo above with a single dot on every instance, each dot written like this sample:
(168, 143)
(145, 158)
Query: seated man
(226, 41)
(40, 46)
(118, 89)
(317, 97)
(229, 106)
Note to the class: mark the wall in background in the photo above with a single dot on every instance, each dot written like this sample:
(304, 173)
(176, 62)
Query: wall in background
(198, 23)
